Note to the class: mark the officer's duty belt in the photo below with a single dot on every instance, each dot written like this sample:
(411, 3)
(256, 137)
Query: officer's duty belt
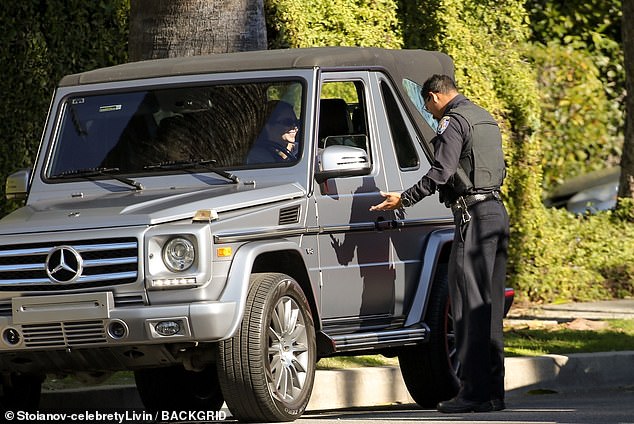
(466, 201)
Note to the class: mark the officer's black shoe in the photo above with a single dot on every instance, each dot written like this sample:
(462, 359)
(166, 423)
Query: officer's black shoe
(459, 405)
(497, 404)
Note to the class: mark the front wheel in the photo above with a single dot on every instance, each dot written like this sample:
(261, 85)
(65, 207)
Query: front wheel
(267, 368)
(429, 369)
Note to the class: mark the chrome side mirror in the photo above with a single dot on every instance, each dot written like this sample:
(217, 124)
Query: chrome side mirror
(17, 184)
(341, 161)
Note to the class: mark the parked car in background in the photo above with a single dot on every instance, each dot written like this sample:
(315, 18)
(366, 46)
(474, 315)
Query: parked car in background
(588, 193)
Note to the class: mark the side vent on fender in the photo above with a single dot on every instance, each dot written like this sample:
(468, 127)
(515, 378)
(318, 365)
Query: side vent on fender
(289, 215)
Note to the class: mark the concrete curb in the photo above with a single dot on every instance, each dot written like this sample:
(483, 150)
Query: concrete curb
(355, 387)
(570, 373)
(374, 386)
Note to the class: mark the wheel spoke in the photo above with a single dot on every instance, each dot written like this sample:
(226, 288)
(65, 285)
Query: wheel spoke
(276, 363)
(288, 347)
(298, 368)
(274, 335)
(280, 381)
(292, 320)
(277, 321)
(298, 332)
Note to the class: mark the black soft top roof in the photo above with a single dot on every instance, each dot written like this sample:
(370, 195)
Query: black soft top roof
(416, 65)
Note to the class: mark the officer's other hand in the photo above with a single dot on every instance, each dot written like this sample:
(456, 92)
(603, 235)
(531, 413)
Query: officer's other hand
(391, 201)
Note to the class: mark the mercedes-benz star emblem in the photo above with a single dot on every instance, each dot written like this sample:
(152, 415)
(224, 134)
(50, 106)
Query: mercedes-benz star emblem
(64, 264)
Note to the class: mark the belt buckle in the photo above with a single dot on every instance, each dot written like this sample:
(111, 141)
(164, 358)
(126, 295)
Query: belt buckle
(462, 204)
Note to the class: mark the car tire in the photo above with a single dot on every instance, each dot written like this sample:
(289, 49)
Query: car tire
(177, 389)
(267, 368)
(21, 391)
(429, 369)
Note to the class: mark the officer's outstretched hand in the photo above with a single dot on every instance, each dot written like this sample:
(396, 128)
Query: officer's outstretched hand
(392, 201)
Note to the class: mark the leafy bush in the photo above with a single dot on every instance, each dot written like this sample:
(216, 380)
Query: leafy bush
(44, 41)
(577, 121)
(577, 49)
(310, 23)
(580, 258)
(592, 26)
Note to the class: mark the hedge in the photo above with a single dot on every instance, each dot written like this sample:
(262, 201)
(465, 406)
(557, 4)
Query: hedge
(309, 23)
(45, 40)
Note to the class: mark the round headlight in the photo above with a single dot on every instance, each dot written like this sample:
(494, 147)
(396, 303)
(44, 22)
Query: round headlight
(179, 254)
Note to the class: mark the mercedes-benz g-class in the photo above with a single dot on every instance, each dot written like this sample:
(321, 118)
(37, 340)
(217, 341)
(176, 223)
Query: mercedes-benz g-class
(204, 222)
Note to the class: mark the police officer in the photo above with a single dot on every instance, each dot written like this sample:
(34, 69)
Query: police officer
(468, 170)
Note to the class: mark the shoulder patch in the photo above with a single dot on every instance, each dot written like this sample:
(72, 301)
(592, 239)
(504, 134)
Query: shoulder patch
(443, 124)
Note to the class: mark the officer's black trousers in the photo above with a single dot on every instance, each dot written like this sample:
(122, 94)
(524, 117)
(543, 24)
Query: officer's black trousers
(477, 273)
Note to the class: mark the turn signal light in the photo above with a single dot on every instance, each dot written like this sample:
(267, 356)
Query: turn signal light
(224, 252)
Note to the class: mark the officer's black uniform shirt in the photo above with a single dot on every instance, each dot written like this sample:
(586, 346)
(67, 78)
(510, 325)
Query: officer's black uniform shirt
(448, 145)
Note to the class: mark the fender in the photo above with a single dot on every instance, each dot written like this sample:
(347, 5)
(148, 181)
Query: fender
(237, 285)
(436, 241)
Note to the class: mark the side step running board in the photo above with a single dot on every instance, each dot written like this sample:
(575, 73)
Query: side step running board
(328, 345)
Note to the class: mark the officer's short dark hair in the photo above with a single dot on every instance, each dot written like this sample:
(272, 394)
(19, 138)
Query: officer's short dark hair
(438, 84)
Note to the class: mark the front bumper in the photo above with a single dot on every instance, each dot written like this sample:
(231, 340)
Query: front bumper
(91, 322)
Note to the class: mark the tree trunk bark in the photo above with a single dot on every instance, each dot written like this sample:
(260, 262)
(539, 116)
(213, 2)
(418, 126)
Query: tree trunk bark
(176, 28)
(626, 183)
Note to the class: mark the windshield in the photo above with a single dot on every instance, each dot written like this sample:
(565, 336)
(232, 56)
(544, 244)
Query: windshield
(238, 125)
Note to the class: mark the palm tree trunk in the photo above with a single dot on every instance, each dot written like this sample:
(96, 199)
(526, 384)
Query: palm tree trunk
(175, 28)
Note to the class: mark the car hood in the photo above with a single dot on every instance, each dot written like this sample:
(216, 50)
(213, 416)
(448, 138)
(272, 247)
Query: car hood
(142, 208)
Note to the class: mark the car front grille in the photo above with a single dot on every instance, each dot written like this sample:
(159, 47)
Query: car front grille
(66, 334)
(103, 262)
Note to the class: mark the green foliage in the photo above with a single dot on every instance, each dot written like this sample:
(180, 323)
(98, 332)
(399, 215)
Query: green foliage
(576, 115)
(577, 45)
(625, 209)
(576, 50)
(590, 25)
(44, 41)
(25, 76)
(310, 23)
(575, 20)
(579, 259)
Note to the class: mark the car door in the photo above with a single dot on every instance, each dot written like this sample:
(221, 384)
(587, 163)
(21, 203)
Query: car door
(403, 155)
(357, 272)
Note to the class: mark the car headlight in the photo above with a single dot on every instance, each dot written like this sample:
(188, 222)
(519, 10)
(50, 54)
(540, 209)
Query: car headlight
(179, 254)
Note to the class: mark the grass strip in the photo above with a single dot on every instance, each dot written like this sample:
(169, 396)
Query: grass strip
(564, 338)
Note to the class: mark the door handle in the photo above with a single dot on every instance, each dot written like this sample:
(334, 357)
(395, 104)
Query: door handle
(381, 224)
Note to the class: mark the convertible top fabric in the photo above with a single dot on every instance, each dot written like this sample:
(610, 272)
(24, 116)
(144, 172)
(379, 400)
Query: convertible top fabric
(416, 65)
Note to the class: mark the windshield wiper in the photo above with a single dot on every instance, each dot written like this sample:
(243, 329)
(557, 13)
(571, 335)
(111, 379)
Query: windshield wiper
(89, 173)
(206, 164)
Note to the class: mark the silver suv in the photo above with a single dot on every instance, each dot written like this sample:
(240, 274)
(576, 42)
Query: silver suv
(204, 222)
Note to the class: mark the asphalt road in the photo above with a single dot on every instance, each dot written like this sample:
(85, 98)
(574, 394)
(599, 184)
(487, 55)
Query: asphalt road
(587, 407)
(605, 406)
(596, 407)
